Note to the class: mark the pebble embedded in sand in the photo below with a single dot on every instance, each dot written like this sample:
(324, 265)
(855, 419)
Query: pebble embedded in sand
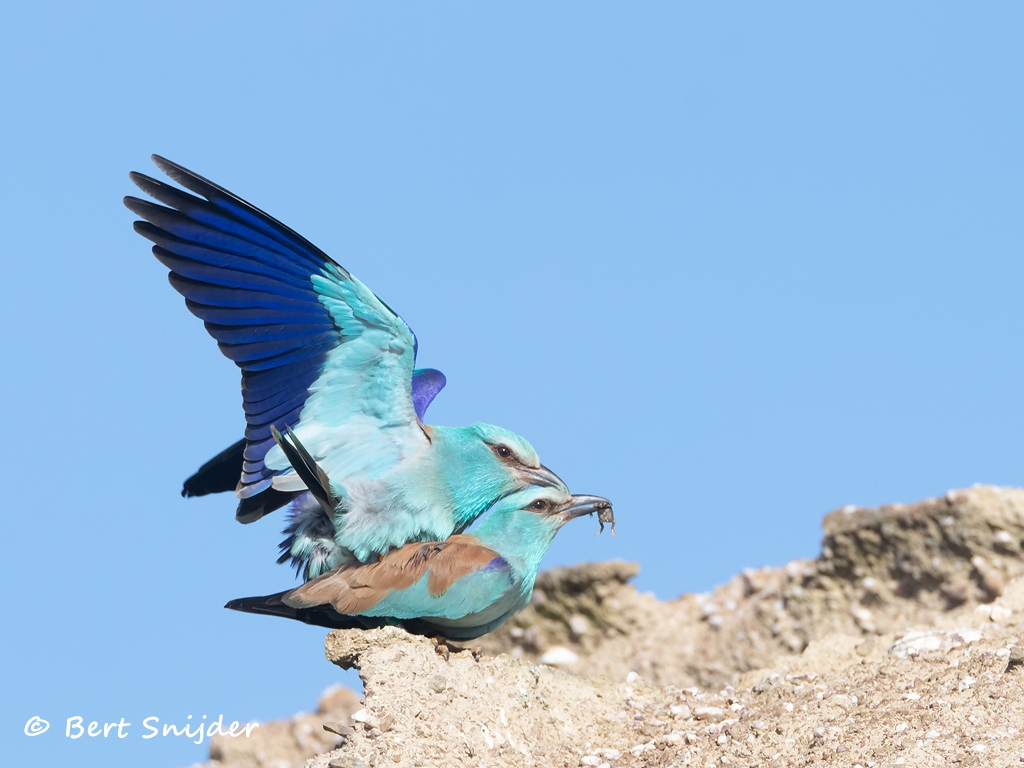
(558, 656)
(708, 713)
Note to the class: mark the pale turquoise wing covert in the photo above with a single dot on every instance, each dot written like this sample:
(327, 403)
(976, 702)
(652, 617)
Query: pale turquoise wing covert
(359, 418)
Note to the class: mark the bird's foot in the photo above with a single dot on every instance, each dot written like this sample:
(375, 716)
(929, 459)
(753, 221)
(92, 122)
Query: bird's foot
(442, 648)
(446, 649)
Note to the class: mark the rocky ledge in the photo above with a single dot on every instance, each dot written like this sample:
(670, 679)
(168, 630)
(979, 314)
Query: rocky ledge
(900, 644)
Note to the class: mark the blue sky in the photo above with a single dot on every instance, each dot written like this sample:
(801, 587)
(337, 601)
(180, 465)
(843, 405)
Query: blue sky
(731, 266)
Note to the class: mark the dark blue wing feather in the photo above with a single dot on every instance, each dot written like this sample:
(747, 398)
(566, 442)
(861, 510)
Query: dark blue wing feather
(273, 408)
(231, 278)
(259, 385)
(248, 277)
(215, 256)
(233, 334)
(214, 295)
(244, 213)
(242, 316)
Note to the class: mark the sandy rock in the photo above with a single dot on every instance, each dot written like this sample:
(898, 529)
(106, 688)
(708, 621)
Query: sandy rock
(284, 743)
(825, 706)
(902, 644)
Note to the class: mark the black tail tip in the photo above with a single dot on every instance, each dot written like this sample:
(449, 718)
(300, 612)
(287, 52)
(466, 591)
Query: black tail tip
(247, 604)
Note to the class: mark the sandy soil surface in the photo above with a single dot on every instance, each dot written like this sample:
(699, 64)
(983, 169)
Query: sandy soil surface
(900, 645)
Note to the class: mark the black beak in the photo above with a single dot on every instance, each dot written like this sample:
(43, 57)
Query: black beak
(578, 506)
(542, 477)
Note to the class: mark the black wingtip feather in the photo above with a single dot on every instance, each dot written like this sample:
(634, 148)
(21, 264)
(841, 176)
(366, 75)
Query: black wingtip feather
(142, 181)
(154, 187)
(200, 185)
(193, 182)
(143, 208)
(219, 474)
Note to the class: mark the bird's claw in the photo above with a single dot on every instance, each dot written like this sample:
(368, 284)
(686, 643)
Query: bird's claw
(442, 648)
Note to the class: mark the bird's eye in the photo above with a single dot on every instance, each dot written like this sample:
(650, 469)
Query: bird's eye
(504, 452)
(539, 505)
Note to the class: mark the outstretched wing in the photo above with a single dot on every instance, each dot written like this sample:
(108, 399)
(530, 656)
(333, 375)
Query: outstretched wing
(319, 352)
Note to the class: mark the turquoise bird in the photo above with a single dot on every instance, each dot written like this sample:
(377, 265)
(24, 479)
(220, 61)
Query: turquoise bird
(458, 589)
(323, 357)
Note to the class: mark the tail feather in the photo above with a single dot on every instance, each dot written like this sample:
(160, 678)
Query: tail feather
(321, 615)
(220, 475)
(326, 616)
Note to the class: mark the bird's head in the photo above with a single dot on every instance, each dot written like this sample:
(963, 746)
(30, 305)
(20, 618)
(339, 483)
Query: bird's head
(486, 463)
(548, 505)
(522, 525)
(514, 456)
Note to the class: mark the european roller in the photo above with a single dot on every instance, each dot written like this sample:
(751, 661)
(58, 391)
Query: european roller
(458, 589)
(324, 357)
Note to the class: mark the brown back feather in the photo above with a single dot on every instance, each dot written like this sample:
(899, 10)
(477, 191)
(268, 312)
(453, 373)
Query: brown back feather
(462, 556)
(354, 589)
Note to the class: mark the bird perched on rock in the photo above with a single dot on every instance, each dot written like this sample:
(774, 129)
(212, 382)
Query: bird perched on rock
(322, 355)
(458, 589)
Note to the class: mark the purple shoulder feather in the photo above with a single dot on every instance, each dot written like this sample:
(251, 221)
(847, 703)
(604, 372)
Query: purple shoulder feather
(426, 383)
